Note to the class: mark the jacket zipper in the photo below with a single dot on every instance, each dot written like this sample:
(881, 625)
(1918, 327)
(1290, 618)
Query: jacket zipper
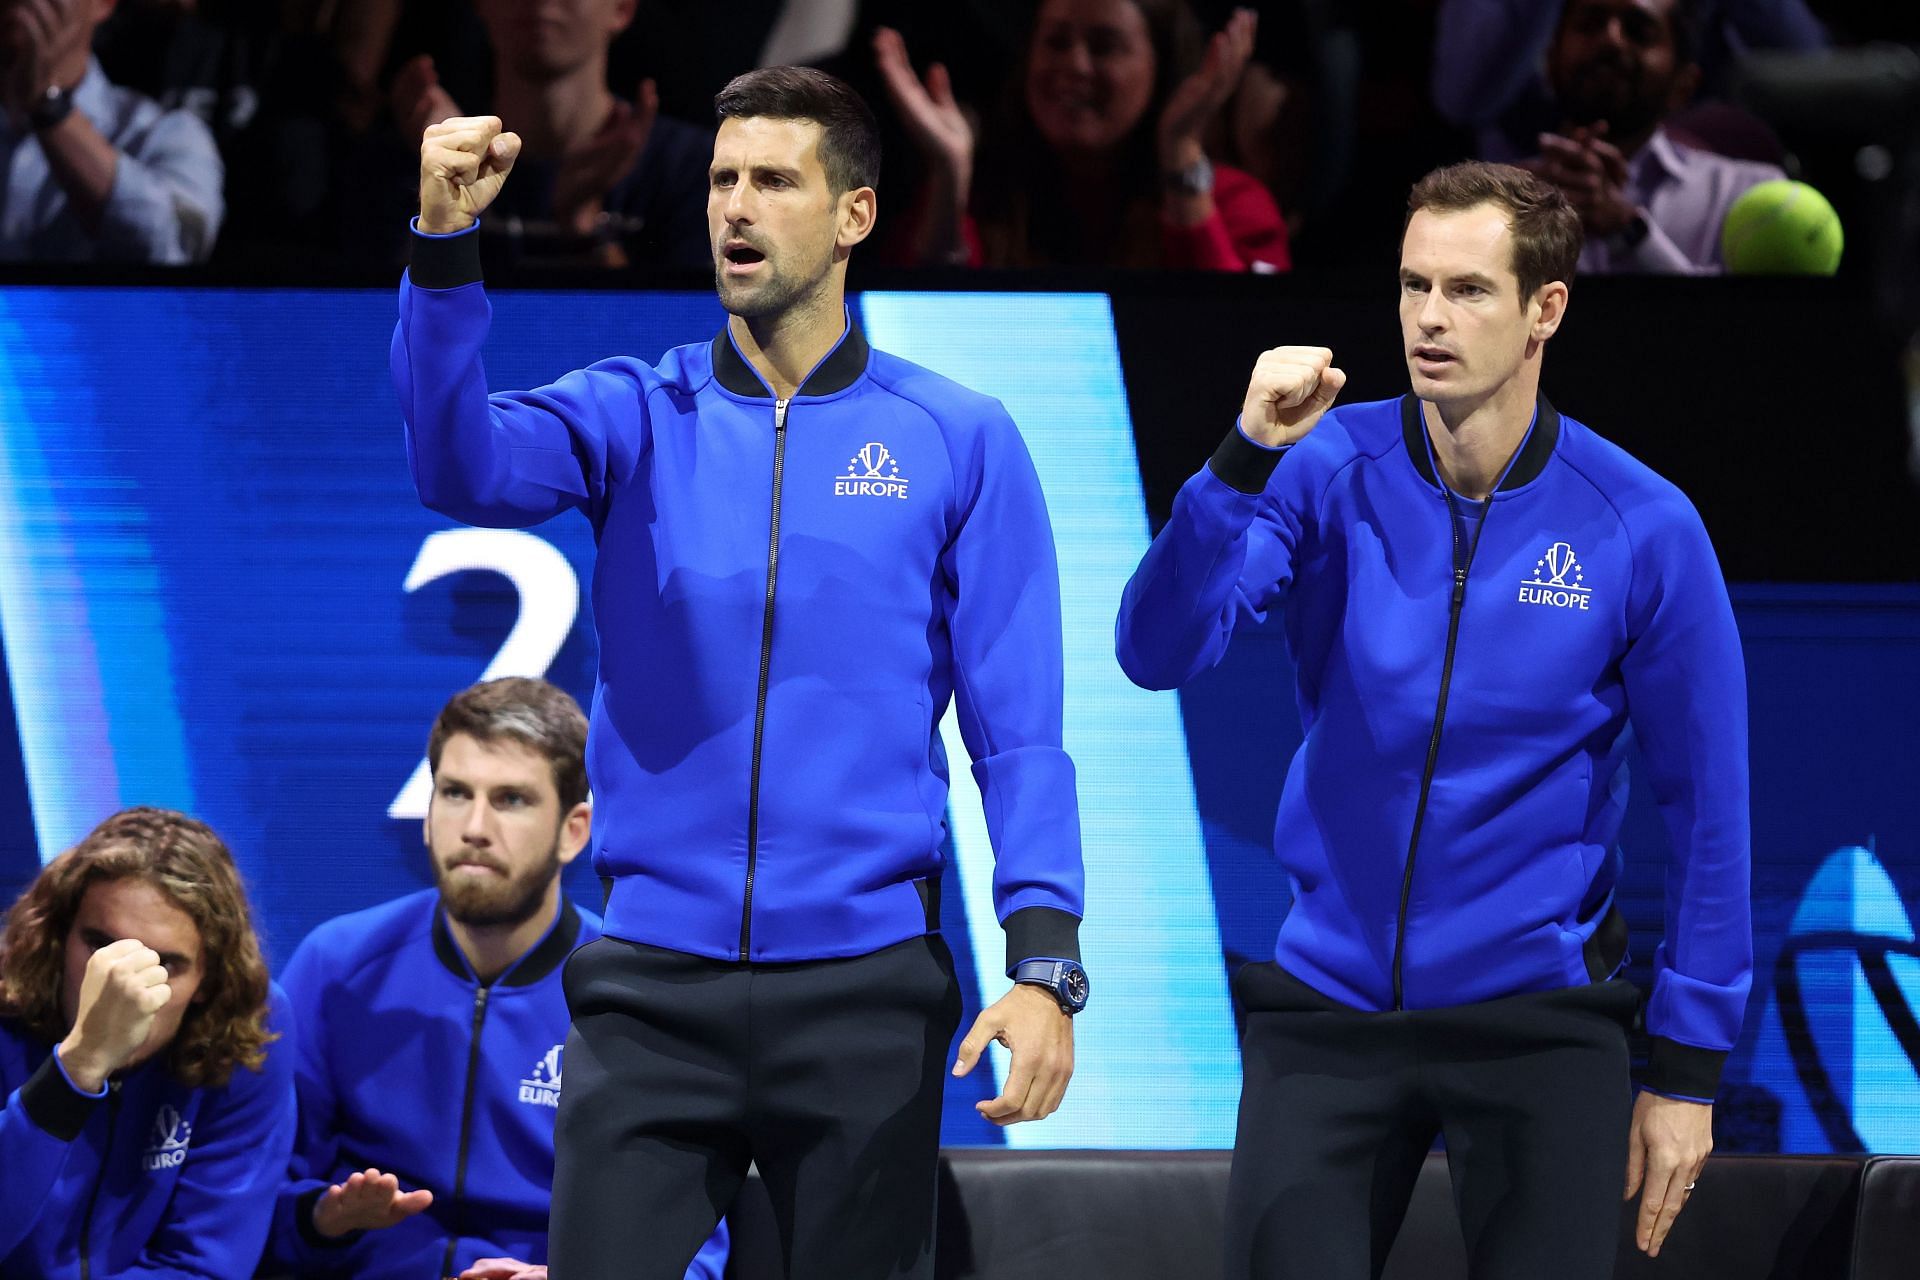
(766, 668)
(1463, 551)
(466, 1129)
(86, 1219)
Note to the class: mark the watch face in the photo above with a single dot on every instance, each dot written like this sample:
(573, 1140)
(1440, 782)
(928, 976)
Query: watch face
(1077, 985)
(50, 108)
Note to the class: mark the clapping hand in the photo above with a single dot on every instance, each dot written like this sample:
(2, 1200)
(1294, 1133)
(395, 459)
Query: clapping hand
(418, 99)
(36, 36)
(932, 115)
(1192, 107)
(1592, 173)
(588, 173)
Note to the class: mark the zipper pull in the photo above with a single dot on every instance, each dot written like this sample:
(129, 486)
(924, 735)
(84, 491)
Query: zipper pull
(1459, 587)
(779, 415)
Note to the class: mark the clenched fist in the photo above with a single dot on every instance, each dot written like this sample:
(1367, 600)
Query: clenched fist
(463, 162)
(1291, 388)
(124, 987)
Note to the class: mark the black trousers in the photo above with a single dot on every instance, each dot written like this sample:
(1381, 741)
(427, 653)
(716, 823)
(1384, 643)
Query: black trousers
(682, 1070)
(1339, 1108)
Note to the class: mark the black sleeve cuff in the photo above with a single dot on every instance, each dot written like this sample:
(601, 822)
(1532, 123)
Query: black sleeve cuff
(54, 1104)
(1036, 932)
(303, 1220)
(1243, 464)
(1682, 1071)
(445, 262)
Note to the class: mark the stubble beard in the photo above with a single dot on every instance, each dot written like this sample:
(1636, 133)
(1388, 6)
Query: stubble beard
(781, 292)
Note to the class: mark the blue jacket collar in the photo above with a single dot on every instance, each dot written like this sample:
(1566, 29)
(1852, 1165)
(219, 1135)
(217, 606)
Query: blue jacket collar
(1526, 466)
(841, 367)
(547, 954)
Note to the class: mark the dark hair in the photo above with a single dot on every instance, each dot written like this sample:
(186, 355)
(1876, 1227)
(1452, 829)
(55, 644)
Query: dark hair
(850, 136)
(1546, 231)
(1017, 199)
(540, 716)
(226, 1025)
(1683, 20)
(1683, 29)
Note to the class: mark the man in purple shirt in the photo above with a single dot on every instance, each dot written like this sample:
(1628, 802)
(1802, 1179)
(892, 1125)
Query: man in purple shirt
(1489, 56)
(1649, 202)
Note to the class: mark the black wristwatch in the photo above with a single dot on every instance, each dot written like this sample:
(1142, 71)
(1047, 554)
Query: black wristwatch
(1064, 978)
(50, 108)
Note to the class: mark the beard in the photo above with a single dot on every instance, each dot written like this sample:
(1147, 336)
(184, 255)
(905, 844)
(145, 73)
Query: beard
(488, 903)
(1617, 90)
(759, 299)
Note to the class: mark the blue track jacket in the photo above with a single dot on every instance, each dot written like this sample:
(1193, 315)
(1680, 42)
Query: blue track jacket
(788, 596)
(149, 1178)
(1448, 825)
(409, 1065)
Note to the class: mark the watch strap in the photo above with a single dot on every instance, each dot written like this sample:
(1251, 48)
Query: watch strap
(1057, 976)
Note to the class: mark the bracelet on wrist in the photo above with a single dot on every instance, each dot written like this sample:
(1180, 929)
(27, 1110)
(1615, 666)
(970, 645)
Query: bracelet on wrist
(1195, 179)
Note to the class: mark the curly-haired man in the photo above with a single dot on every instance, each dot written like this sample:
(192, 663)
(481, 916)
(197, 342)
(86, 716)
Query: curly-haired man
(149, 1113)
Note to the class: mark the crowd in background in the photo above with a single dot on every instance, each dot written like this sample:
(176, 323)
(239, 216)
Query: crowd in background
(1023, 133)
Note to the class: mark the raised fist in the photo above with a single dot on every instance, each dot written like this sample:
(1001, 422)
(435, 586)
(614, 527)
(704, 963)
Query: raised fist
(124, 987)
(1291, 388)
(463, 162)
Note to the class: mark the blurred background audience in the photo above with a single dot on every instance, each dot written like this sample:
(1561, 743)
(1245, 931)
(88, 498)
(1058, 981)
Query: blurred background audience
(1652, 194)
(602, 178)
(1098, 157)
(95, 171)
(1256, 137)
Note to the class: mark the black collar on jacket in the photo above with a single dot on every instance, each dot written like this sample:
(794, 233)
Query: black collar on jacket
(1535, 450)
(837, 372)
(547, 955)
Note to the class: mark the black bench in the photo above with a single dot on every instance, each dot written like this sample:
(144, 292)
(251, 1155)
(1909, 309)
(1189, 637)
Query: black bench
(1116, 1215)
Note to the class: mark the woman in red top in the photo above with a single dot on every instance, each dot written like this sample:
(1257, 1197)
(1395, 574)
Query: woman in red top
(1099, 161)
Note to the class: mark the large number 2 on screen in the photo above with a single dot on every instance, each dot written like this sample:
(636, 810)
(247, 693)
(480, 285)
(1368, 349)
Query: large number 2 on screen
(549, 600)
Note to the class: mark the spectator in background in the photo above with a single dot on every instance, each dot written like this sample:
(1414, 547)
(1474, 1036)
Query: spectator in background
(1648, 202)
(432, 1027)
(1291, 124)
(93, 172)
(149, 1111)
(1489, 60)
(602, 179)
(263, 90)
(1100, 162)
